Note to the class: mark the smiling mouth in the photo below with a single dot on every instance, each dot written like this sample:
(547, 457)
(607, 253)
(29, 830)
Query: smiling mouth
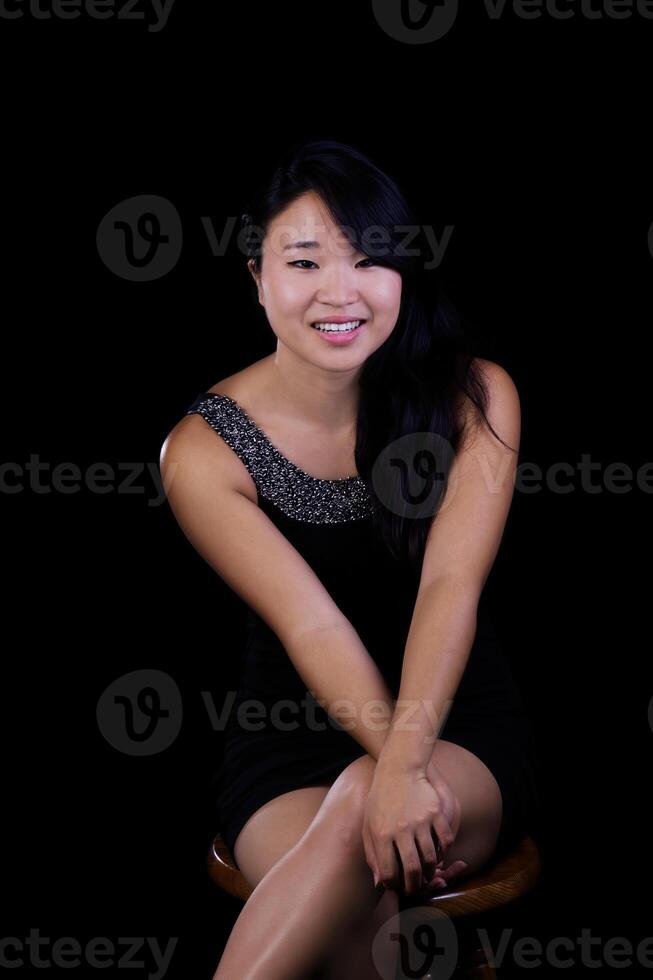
(338, 327)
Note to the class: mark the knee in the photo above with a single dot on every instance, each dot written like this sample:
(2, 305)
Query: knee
(344, 805)
(476, 843)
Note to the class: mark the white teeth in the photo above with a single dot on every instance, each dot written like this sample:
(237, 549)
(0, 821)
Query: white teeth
(337, 327)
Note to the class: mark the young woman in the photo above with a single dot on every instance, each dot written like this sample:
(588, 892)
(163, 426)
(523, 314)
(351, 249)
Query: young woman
(355, 500)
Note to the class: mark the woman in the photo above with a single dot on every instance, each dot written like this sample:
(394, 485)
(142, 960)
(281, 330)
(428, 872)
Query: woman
(355, 500)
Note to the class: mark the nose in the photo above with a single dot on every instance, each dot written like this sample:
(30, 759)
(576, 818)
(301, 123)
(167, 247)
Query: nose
(338, 286)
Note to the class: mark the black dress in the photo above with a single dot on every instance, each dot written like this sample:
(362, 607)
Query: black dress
(285, 740)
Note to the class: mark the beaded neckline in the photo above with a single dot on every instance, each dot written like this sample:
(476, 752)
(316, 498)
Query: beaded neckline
(341, 481)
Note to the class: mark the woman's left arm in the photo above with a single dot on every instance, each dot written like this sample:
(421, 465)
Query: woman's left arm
(462, 544)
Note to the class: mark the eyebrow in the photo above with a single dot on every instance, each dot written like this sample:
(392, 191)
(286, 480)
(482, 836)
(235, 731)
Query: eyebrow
(301, 245)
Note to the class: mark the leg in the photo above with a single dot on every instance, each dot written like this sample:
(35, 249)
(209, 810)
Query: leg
(352, 960)
(269, 834)
(274, 828)
(481, 812)
(481, 808)
(481, 805)
(311, 895)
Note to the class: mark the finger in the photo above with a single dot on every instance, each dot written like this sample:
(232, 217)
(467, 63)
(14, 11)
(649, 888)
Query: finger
(438, 846)
(370, 856)
(427, 851)
(436, 882)
(443, 878)
(443, 833)
(388, 866)
(411, 863)
(455, 823)
(446, 801)
(446, 795)
(454, 869)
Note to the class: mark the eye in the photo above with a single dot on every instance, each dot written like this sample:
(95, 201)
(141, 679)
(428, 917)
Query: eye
(297, 261)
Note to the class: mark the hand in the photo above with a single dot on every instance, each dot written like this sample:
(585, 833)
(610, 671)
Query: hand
(404, 811)
(438, 876)
(449, 801)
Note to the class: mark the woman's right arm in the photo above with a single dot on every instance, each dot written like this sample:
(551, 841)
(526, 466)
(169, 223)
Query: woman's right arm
(213, 499)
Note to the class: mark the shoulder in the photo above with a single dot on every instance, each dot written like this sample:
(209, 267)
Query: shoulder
(194, 443)
(502, 390)
(194, 449)
(503, 408)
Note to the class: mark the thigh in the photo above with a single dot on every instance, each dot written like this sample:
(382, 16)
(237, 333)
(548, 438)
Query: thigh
(274, 828)
(481, 805)
(280, 823)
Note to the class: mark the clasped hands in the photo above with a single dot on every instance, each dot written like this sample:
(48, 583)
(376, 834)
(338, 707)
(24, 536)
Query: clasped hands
(416, 812)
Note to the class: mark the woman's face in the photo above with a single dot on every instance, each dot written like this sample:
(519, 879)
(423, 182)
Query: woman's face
(301, 284)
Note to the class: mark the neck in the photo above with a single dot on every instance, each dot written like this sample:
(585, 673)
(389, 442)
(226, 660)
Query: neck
(296, 389)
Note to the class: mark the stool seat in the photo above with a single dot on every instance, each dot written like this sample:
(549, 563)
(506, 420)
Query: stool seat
(500, 882)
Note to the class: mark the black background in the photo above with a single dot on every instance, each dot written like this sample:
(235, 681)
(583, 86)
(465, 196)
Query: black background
(528, 136)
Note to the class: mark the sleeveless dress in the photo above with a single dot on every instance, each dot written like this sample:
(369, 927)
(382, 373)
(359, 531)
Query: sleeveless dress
(285, 740)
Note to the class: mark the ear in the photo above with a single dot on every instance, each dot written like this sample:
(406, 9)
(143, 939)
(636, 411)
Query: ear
(255, 276)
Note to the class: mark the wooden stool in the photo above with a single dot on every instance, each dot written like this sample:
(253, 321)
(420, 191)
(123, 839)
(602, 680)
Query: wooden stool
(499, 883)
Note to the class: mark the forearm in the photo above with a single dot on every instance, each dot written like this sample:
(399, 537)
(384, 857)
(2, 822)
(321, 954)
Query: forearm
(439, 641)
(343, 678)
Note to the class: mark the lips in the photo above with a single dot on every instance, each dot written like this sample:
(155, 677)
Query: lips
(333, 329)
(340, 319)
(338, 336)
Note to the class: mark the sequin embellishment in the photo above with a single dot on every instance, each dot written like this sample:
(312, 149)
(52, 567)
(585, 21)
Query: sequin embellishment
(296, 493)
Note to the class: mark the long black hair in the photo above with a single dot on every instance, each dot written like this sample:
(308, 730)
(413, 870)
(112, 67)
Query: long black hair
(415, 382)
